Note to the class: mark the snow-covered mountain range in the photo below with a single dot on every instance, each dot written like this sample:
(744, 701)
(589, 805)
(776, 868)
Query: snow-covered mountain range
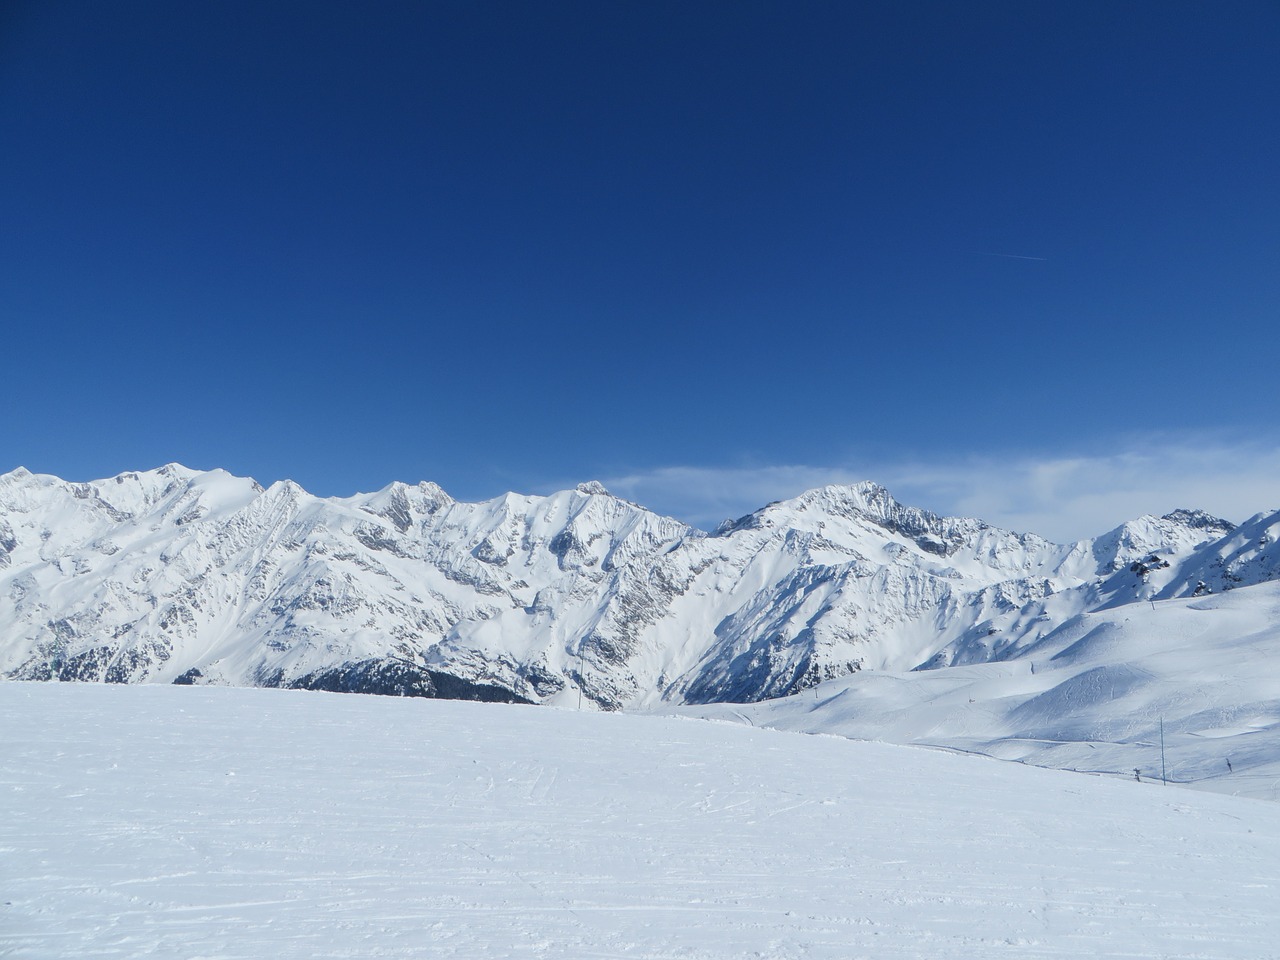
(179, 576)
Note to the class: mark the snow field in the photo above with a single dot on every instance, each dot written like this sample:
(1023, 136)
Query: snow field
(153, 821)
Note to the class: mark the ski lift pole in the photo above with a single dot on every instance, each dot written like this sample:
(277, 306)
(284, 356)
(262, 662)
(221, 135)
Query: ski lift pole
(1164, 779)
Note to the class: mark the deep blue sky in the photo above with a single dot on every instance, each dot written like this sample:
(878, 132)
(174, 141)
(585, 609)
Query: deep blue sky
(517, 245)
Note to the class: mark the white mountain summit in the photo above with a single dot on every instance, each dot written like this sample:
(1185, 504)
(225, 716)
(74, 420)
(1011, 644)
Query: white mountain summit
(178, 576)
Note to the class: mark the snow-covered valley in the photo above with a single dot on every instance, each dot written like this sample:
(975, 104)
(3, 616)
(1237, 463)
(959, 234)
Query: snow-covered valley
(163, 821)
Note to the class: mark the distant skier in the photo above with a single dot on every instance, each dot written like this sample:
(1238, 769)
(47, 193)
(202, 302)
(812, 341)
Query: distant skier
(1228, 764)
(1137, 774)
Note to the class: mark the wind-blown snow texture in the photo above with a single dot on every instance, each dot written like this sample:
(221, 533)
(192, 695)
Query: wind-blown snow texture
(177, 822)
(178, 576)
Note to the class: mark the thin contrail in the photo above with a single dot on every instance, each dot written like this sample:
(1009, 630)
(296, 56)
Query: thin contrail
(1013, 256)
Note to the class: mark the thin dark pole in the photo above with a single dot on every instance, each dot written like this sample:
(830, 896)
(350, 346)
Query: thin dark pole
(1163, 777)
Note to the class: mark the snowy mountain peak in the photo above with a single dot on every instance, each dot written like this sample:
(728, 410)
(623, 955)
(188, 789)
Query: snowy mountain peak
(1248, 555)
(286, 489)
(1175, 534)
(403, 505)
(872, 498)
(833, 501)
(868, 513)
(865, 500)
(593, 488)
(864, 497)
(152, 479)
(434, 492)
(1200, 520)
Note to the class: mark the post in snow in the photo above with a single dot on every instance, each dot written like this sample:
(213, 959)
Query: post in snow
(1163, 776)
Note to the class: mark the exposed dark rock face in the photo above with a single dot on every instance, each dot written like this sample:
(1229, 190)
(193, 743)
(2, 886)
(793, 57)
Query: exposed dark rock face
(394, 678)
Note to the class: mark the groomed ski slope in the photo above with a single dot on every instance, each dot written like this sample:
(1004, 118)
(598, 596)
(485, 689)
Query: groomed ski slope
(153, 821)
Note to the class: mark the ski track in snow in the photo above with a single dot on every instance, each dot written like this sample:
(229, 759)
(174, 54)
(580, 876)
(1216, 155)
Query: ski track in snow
(152, 821)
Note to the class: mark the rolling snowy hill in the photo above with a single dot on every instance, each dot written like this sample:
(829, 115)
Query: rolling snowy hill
(166, 821)
(1097, 693)
(176, 576)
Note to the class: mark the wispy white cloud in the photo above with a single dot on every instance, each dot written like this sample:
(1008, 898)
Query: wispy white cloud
(1062, 497)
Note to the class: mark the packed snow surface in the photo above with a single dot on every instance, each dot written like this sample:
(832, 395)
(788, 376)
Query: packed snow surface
(190, 822)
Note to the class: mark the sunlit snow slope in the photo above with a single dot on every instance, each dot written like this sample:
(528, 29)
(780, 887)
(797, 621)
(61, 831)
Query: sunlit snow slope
(1097, 694)
(178, 822)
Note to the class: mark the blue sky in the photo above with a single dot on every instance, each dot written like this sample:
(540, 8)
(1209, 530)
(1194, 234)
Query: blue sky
(706, 252)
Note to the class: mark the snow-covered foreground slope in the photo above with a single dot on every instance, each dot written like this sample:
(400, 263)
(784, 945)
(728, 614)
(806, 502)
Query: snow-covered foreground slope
(1091, 695)
(209, 822)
